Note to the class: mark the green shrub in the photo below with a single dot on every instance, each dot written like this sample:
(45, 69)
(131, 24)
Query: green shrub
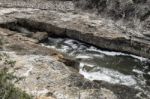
(7, 89)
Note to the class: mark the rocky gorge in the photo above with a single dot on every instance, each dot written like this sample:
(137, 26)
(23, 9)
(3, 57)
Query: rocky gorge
(30, 32)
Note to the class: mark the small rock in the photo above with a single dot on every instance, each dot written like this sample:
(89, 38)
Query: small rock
(70, 62)
(40, 36)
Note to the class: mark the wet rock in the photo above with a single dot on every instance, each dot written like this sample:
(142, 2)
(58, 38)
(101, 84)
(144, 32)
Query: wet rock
(87, 68)
(40, 36)
(70, 62)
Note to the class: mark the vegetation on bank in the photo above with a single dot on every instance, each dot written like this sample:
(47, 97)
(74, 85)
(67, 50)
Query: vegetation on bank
(7, 89)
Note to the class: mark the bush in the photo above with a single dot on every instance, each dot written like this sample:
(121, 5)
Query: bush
(7, 89)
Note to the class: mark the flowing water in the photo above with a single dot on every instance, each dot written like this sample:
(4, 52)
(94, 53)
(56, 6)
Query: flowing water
(112, 67)
(97, 64)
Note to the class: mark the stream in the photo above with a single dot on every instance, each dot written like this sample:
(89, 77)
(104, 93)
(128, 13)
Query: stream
(97, 64)
(109, 66)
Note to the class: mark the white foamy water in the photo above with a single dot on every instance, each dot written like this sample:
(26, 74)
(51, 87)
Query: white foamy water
(80, 56)
(137, 71)
(75, 46)
(109, 75)
(112, 53)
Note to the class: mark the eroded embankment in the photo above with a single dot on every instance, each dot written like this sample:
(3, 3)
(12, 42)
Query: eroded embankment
(103, 39)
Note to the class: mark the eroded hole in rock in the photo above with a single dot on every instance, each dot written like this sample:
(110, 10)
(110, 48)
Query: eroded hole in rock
(95, 64)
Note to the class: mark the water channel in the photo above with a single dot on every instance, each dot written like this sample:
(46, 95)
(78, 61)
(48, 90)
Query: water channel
(109, 66)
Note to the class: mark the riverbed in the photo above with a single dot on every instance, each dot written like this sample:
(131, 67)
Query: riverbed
(112, 67)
